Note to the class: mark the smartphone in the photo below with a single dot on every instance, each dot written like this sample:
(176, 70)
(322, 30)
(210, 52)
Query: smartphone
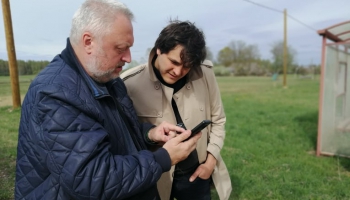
(199, 127)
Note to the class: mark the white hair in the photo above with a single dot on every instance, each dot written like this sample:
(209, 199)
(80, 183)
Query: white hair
(96, 16)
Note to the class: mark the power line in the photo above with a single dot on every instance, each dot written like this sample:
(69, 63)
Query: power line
(273, 9)
(301, 22)
(276, 10)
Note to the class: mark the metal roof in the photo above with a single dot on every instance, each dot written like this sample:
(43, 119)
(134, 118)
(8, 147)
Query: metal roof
(337, 33)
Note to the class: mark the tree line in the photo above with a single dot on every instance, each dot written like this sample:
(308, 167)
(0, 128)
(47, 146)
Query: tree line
(241, 59)
(237, 58)
(29, 67)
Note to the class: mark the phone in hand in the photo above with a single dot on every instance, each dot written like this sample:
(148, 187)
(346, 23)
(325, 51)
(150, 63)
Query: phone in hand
(199, 127)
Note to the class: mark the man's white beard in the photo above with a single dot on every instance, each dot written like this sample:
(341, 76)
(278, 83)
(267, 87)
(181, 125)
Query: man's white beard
(94, 68)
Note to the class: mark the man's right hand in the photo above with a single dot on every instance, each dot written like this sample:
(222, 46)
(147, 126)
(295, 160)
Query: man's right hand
(179, 150)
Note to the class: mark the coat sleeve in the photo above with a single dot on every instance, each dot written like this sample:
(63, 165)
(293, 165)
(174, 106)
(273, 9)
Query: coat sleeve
(218, 117)
(75, 148)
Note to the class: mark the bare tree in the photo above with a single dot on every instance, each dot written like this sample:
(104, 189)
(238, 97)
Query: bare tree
(244, 53)
(241, 57)
(277, 55)
(238, 52)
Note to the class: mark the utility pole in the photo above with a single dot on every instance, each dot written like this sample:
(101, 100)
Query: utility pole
(16, 97)
(285, 53)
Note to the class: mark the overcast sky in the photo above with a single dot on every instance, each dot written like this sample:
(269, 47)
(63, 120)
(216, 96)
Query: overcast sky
(41, 27)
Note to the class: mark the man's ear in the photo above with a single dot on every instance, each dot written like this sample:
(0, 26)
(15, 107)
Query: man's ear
(158, 52)
(87, 42)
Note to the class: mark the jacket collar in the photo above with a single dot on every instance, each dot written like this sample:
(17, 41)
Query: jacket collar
(194, 74)
(152, 75)
(98, 90)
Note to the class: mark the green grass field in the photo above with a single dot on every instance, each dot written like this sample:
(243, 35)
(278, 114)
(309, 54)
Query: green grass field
(269, 148)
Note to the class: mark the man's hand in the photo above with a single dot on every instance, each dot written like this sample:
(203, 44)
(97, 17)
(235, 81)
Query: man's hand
(164, 132)
(179, 150)
(205, 170)
(173, 137)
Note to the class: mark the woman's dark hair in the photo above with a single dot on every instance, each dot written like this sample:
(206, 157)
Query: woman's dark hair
(186, 34)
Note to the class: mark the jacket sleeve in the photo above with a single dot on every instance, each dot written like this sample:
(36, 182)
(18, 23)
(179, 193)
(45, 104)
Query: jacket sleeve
(217, 131)
(75, 148)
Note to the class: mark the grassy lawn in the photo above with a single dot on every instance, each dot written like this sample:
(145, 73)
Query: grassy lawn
(271, 142)
(9, 120)
(5, 89)
(269, 148)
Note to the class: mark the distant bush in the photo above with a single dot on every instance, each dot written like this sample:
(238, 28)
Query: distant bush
(222, 71)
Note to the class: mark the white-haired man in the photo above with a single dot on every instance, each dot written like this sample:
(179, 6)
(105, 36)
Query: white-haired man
(79, 137)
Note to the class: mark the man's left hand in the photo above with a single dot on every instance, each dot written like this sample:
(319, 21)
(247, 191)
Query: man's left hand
(204, 170)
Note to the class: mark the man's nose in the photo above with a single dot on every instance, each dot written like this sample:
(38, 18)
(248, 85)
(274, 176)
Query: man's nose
(127, 56)
(177, 70)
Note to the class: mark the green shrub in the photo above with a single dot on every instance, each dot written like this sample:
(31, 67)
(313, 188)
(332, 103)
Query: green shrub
(222, 71)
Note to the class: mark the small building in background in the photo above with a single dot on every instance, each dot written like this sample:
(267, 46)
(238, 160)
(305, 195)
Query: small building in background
(334, 101)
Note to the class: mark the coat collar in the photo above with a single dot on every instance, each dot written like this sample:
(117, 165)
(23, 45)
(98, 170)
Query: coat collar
(98, 90)
(194, 74)
(152, 75)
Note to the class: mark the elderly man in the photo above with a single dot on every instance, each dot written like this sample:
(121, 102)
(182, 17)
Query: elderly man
(79, 137)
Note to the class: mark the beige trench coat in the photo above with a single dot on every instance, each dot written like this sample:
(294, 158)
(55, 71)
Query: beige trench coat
(199, 99)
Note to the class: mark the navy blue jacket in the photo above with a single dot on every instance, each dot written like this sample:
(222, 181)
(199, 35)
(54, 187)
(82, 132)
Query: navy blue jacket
(74, 144)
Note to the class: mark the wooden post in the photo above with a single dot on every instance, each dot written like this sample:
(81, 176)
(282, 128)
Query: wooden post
(16, 97)
(285, 51)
